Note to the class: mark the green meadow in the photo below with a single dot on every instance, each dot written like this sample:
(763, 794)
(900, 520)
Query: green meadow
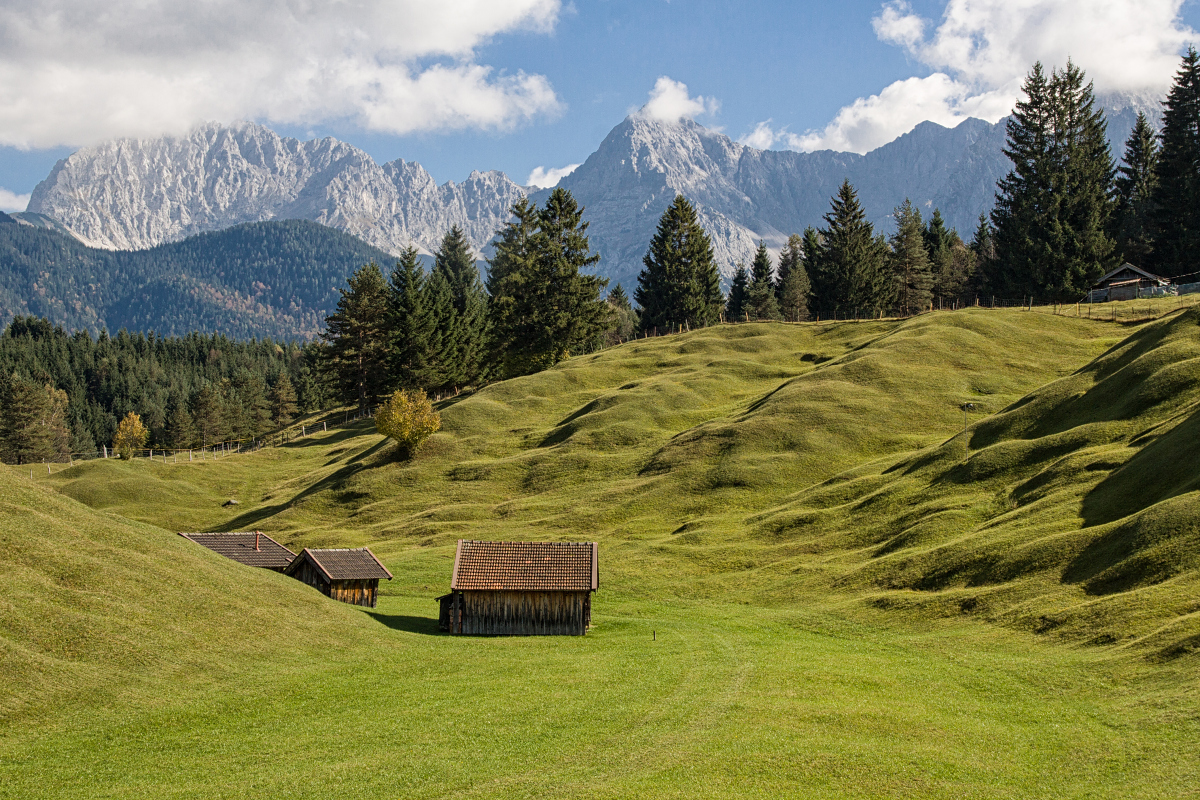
(819, 577)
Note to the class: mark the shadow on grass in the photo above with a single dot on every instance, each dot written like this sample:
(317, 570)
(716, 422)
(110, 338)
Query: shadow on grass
(331, 481)
(400, 622)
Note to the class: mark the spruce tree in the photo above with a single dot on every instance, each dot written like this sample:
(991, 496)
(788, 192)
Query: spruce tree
(760, 297)
(811, 246)
(625, 318)
(209, 415)
(911, 267)
(33, 425)
(679, 283)
(1053, 208)
(283, 401)
(983, 246)
(412, 352)
(181, 432)
(791, 281)
(938, 246)
(465, 348)
(1176, 197)
(737, 306)
(510, 266)
(853, 279)
(444, 324)
(357, 334)
(1135, 185)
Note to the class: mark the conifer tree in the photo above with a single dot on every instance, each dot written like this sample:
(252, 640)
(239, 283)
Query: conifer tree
(938, 245)
(414, 342)
(444, 325)
(911, 267)
(679, 283)
(510, 266)
(760, 297)
(1176, 196)
(209, 414)
(33, 425)
(791, 281)
(181, 432)
(811, 246)
(465, 340)
(852, 275)
(357, 335)
(983, 246)
(737, 306)
(1135, 185)
(1053, 208)
(283, 401)
(625, 318)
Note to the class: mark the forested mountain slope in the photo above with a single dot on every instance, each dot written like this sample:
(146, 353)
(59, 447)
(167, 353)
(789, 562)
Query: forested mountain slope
(277, 279)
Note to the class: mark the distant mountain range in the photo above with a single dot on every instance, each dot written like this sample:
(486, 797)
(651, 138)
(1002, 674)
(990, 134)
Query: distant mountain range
(277, 279)
(138, 193)
(128, 195)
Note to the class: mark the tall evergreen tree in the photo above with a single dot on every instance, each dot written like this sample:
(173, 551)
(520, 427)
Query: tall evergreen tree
(737, 306)
(760, 297)
(358, 337)
(1176, 196)
(625, 318)
(983, 245)
(33, 425)
(209, 415)
(939, 246)
(811, 245)
(181, 432)
(509, 268)
(283, 401)
(1053, 208)
(852, 275)
(455, 262)
(414, 342)
(911, 269)
(679, 283)
(791, 281)
(1135, 186)
(556, 308)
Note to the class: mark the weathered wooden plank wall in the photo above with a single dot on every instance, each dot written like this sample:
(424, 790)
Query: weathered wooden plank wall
(356, 592)
(502, 613)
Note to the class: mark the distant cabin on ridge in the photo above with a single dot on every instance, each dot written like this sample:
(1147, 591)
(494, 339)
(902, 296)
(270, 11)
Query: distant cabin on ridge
(254, 549)
(349, 575)
(521, 588)
(1126, 282)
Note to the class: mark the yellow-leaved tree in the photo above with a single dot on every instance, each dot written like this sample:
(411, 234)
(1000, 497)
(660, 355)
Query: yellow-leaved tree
(131, 435)
(409, 418)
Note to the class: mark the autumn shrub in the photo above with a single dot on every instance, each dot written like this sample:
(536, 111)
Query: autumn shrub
(131, 436)
(409, 419)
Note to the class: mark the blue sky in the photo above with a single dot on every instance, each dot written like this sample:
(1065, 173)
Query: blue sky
(520, 84)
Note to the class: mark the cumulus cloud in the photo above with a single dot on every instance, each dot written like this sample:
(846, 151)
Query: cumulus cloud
(982, 49)
(669, 102)
(11, 201)
(544, 178)
(73, 72)
(764, 137)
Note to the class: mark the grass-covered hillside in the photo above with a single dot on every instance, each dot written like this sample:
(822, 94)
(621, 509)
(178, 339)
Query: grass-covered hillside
(819, 578)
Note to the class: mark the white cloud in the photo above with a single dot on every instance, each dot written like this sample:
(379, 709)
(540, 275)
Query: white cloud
(11, 201)
(669, 102)
(982, 49)
(764, 137)
(544, 178)
(73, 72)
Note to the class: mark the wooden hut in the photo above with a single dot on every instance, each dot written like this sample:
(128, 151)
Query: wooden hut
(521, 588)
(254, 549)
(1124, 283)
(350, 575)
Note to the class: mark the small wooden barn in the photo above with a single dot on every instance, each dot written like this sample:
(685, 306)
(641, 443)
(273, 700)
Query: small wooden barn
(254, 549)
(1123, 283)
(349, 575)
(521, 588)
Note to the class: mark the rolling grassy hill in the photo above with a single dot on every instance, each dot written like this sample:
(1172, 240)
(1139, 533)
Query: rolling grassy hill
(819, 578)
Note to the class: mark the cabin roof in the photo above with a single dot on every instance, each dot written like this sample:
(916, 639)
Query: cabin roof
(1161, 281)
(526, 566)
(252, 549)
(349, 564)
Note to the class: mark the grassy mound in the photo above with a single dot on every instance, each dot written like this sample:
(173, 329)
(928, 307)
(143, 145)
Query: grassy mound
(1072, 511)
(96, 606)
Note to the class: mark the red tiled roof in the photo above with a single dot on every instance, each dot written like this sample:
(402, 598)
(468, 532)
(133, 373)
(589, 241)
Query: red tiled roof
(343, 565)
(251, 549)
(526, 566)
